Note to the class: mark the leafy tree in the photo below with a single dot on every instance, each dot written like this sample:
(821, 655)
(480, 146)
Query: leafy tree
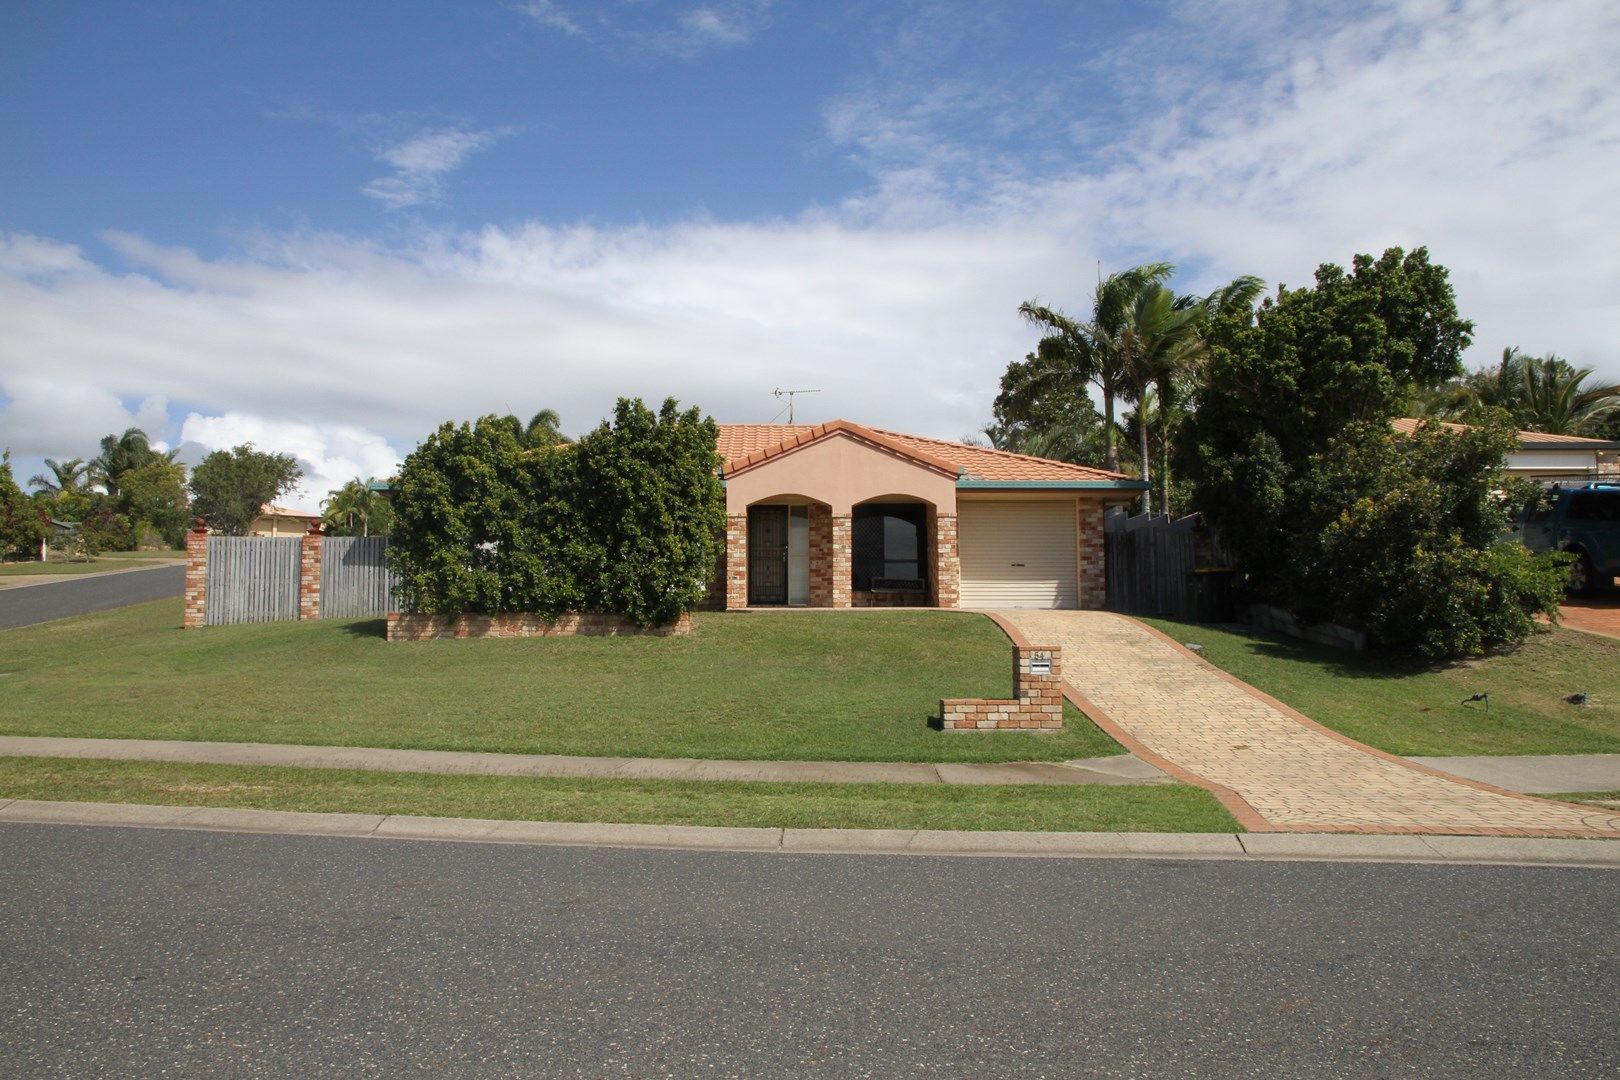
(1292, 458)
(1545, 393)
(121, 453)
(153, 496)
(1063, 426)
(229, 487)
(544, 430)
(65, 476)
(355, 509)
(20, 526)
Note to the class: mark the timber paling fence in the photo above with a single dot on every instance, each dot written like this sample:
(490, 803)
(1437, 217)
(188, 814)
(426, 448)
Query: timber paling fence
(1152, 563)
(252, 579)
(355, 579)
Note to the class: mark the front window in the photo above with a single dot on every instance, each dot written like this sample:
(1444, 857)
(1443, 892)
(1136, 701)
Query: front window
(888, 545)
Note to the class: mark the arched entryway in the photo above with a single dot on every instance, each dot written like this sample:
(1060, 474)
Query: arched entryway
(891, 544)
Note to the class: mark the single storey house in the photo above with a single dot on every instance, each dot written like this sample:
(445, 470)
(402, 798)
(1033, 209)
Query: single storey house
(281, 521)
(841, 515)
(1548, 458)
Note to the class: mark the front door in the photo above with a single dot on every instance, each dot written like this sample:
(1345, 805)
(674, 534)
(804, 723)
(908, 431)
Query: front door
(767, 555)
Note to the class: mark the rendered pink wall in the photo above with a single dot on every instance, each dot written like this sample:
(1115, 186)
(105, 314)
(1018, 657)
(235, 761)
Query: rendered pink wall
(840, 471)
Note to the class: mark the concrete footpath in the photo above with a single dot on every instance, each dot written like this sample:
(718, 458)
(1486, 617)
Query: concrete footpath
(1493, 850)
(1119, 769)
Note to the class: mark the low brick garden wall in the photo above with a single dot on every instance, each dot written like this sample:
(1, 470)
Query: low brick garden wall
(404, 627)
(1037, 704)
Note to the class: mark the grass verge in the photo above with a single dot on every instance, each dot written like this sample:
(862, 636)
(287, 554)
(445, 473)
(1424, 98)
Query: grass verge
(817, 686)
(1024, 807)
(1422, 711)
(1608, 799)
(101, 564)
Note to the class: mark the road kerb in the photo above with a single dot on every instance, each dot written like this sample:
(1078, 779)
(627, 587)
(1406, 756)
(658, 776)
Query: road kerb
(1252, 847)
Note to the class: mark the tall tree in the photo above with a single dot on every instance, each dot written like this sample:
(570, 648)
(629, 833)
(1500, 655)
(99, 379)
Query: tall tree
(119, 454)
(1558, 401)
(1075, 352)
(230, 487)
(20, 524)
(65, 477)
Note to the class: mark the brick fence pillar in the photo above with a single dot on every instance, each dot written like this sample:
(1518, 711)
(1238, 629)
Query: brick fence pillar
(309, 572)
(1093, 560)
(843, 566)
(947, 562)
(196, 608)
(737, 561)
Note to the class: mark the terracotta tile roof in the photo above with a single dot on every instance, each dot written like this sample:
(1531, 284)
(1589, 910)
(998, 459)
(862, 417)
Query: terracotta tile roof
(1406, 425)
(744, 446)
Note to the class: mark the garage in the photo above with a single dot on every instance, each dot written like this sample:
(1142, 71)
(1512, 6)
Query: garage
(1018, 554)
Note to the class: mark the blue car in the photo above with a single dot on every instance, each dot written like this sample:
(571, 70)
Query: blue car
(1585, 522)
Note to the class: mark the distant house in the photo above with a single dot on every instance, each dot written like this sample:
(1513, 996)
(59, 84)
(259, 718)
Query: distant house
(1548, 458)
(281, 521)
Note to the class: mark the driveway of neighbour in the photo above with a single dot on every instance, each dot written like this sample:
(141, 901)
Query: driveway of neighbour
(25, 605)
(1594, 614)
(1274, 768)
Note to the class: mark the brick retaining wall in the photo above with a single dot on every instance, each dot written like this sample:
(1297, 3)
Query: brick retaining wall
(405, 627)
(1037, 703)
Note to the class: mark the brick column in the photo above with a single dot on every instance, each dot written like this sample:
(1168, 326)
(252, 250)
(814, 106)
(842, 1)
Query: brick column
(309, 573)
(1036, 704)
(1093, 564)
(843, 568)
(821, 559)
(947, 562)
(737, 561)
(196, 576)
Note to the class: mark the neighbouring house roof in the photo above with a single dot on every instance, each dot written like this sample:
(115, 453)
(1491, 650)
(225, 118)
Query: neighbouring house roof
(269, 510)
(744, 446)
(1528, 440)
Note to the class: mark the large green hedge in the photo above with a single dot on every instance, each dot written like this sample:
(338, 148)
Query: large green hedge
(625, 521)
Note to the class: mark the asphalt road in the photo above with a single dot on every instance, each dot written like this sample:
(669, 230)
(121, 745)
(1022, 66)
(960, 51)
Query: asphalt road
(126, 952)
(26, 604)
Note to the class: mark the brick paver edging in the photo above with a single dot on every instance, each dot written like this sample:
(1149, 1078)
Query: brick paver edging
(1299, 717)
(1245, 814)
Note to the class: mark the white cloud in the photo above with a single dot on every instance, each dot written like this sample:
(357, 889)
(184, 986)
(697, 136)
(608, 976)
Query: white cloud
(25, 256)
(330, 455)
(422, 161)
(1490, 132)
(552, 16)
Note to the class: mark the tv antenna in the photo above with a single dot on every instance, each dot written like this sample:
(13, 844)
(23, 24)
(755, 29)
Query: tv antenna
(779, 394)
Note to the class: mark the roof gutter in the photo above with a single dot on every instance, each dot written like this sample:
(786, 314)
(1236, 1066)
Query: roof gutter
(1052, 485)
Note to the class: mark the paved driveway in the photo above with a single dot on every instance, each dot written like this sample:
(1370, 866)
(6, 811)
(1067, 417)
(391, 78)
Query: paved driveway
(28, 604)
(1594, 614)
(1274, 768)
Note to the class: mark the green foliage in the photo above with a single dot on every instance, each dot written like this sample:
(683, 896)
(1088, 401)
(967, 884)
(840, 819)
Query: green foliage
(1292, 458)
(625, 521)
(153, 497)
(229, 487)
(21, 526)
(102, 530)
(1547, 394)
(356, 510)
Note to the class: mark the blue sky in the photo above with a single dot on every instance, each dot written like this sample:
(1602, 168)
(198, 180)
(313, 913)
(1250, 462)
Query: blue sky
(326, 227)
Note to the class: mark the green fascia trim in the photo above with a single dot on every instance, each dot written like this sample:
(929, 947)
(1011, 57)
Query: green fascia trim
(1082, 485)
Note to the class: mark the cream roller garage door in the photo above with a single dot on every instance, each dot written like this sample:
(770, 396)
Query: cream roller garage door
(1018, 554)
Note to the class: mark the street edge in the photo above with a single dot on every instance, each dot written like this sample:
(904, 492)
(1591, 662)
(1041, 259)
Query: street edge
(1252, 847)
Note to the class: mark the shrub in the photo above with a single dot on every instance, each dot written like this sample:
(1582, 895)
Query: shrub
(625, 521)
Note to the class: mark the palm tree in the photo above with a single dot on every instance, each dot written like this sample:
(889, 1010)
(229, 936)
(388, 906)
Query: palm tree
(356, 505)
(121, 453)
(65, 479)
(1557, 401)
(1078, 352)
(543, 430)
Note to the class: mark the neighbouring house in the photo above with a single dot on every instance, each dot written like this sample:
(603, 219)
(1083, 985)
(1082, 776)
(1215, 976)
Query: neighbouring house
(1548, 458)
(281, 521)
(840, 515)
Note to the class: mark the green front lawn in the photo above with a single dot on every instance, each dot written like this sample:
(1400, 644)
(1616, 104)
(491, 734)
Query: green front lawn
(1420, 711)
(820, 686)
(1135, 808)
